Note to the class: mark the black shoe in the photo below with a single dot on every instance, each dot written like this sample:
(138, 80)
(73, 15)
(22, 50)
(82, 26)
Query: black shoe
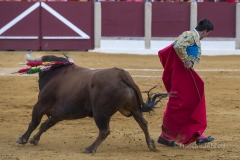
(165, 142)
(202, 141)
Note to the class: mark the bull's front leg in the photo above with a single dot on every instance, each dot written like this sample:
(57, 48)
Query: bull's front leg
(36, 119)
(51, 121)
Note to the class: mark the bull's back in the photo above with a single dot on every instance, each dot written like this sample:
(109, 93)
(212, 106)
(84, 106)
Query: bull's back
(113, 76)
(75, 81)
(68, 81)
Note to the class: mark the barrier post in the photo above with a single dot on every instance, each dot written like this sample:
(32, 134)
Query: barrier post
(193, 15)
(237, 40)
(148, 24)
(97, 24)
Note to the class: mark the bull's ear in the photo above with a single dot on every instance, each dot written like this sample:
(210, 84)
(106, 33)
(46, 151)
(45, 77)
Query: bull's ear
(69, 58)
(28, 58)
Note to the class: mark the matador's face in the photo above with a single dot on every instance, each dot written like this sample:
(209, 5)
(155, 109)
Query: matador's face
(204, 34)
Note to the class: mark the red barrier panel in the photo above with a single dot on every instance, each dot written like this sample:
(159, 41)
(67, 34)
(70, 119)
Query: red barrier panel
(170, 19)
(46, 26)
(67, 26)
(222, 15)
(19, 25)
(122, 19)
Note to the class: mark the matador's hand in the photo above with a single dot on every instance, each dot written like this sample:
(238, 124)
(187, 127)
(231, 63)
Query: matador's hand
(188, 64)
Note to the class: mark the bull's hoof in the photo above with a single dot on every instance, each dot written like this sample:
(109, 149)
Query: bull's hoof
(89, 151)
(21, 140)
(152, 146)
(33, 141)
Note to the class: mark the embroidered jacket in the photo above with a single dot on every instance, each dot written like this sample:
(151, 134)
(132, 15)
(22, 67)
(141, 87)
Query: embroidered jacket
(187, 40)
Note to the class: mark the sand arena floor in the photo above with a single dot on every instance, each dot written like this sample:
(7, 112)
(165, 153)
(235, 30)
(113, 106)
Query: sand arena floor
(67, 139)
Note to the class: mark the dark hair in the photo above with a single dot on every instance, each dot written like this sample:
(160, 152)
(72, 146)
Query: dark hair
(204, 24)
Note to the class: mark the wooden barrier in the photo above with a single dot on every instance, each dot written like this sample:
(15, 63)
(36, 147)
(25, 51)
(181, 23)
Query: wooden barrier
(121, 19)
(46, 26)
(19, 26)
(222, 15)
(81, 25)
(67, 26)
(170, 19)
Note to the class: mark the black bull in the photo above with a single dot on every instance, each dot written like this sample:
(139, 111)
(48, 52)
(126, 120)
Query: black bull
(73, 92)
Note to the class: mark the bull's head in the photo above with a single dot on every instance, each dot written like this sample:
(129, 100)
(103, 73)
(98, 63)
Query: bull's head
(29, 59)
(44, 77)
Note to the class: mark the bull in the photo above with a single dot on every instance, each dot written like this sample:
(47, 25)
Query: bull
(73, 92)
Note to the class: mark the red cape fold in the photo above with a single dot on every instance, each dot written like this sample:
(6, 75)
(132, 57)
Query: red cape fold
(184, 119)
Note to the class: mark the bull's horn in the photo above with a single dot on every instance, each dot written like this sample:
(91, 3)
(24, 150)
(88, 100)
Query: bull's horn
(69, 58)
(28, 58)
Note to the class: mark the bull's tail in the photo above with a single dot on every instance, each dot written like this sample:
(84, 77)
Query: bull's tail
(126, 77)
(154, 98)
